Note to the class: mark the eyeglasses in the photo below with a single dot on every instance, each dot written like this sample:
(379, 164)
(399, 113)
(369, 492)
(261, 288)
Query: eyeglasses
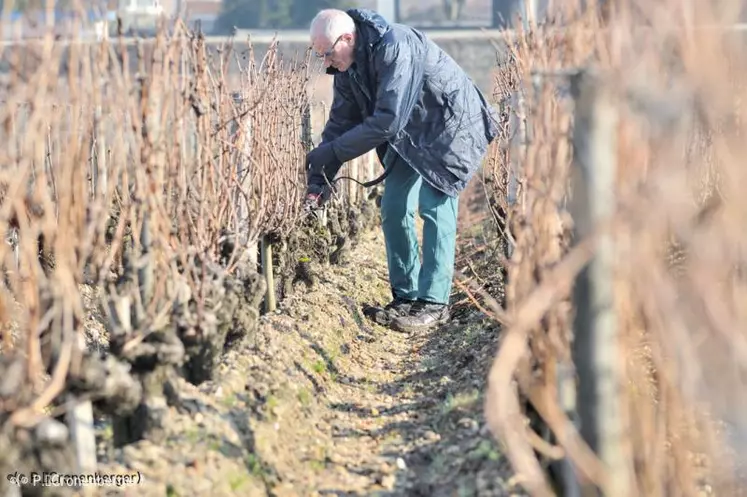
(329, 52)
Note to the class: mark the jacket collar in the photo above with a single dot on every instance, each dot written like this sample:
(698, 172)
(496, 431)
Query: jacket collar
(371, 26)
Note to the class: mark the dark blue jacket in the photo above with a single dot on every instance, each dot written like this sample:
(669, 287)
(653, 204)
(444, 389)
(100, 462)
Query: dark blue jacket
(405, 92)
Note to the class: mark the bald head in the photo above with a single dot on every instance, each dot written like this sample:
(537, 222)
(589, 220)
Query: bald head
(330, 24)
(333, 38)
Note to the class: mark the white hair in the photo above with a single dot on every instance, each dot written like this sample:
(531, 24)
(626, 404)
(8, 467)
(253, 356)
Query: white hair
(331, 24)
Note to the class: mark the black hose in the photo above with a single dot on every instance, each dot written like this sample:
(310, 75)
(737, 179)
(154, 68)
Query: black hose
(368, 184)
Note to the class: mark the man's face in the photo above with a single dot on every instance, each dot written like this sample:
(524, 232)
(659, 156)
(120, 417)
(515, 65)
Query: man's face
(335, 53)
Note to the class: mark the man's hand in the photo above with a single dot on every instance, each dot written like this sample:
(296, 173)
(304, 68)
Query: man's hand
(322, 165)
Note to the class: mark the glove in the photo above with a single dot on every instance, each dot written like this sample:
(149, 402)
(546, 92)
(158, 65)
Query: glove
(320, 163)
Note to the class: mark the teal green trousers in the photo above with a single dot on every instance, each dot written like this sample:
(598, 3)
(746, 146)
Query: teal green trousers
(405, 193)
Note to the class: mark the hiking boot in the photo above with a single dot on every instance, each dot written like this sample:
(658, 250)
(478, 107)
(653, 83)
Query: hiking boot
(422, 316)
(384, 315)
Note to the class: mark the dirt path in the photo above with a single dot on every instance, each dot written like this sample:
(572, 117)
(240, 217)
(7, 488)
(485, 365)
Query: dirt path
(322, 402)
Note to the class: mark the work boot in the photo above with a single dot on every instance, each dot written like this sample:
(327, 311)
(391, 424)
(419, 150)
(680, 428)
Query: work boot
(423, 316)
(384, 315)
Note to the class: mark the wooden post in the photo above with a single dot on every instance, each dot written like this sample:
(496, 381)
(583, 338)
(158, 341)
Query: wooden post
(146, 271)
(268, 274)
(567, 396)
(308, 144)
(372, 159)
(306, 129)
(595, 348)
(518, 146)
(99, 176)
(352, 185)
(530, 15)
(79, 419)
(519, 143)
(241, 134)
(241, 131)
(14, 242)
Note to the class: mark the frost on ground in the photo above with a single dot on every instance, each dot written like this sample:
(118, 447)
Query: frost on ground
(322, 402)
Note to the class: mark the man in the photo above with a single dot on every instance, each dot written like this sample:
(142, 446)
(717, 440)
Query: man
(398, 92)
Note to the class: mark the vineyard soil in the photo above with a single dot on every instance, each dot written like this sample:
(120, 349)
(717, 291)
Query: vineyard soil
(321, 402)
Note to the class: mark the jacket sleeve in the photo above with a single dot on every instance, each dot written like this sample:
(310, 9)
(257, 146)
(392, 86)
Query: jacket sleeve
(344, 113)
(398, 81)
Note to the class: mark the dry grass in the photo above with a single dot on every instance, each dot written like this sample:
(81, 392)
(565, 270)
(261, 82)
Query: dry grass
(677, 230)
